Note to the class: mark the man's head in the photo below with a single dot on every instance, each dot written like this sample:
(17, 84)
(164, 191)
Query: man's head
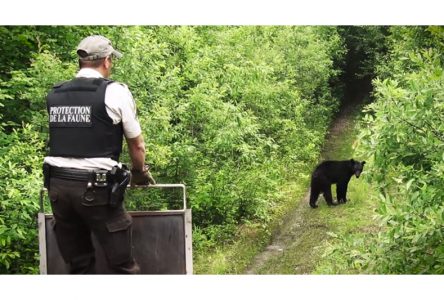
(96, 52)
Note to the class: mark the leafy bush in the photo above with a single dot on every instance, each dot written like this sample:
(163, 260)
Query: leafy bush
(20, 170)
(403, 137)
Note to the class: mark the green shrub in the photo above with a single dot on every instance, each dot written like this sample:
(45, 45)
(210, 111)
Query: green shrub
(403, 137)
(20, 170)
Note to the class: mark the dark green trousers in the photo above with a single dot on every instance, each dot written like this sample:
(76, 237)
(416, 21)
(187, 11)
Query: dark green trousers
(78, 211)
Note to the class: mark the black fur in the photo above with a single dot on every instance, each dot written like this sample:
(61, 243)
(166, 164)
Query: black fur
(333, 172)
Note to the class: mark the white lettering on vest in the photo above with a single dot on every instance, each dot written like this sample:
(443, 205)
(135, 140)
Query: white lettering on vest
(70, 115)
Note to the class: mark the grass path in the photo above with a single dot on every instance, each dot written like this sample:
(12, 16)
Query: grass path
(299, 245)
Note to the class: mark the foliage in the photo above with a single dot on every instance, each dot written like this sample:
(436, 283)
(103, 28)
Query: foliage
(221, 116)
(20, 170)
(406, 142)
(403, 137)
(366, 45)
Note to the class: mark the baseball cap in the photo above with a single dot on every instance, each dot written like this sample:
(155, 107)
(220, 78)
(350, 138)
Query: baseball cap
(96, 46)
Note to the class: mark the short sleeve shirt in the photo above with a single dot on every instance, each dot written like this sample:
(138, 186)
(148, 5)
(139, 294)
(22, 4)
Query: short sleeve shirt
(120, 107)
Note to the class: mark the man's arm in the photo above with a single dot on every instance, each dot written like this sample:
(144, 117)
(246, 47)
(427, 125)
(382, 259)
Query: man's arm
(140, 172)
(136, 149)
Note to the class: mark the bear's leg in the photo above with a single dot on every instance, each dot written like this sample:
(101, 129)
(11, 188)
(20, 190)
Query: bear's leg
(314, 194)
(327, 195)
(345, 191)
(342, 191)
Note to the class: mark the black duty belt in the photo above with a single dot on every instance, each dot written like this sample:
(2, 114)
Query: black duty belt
(80, 175)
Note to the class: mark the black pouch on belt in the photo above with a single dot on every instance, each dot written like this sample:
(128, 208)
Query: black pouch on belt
(120, 180)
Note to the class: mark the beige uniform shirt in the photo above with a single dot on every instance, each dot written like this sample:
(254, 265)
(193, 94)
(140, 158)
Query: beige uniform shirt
(120, 107)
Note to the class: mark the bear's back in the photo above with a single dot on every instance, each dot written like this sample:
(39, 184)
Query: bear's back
(334, 170)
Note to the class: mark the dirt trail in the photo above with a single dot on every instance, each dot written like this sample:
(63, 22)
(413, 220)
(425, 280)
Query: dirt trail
(302, 230)
(293, 228)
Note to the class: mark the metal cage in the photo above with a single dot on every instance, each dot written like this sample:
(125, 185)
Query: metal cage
(162, 240)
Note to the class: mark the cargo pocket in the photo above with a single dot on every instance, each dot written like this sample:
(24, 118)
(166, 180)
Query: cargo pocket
(120, 246)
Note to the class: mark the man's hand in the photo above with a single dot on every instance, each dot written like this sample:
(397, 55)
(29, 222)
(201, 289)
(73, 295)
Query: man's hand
(143, 177)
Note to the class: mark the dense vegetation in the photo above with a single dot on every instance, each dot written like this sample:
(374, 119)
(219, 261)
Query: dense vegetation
(402, 135)
(233, 112)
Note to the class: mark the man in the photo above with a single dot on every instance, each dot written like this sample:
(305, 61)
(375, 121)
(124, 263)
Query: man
(88, 117)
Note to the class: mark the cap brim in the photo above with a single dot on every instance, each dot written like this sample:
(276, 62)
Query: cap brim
(117, 54)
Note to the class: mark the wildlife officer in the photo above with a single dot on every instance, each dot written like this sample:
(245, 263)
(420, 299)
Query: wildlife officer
(88, 117)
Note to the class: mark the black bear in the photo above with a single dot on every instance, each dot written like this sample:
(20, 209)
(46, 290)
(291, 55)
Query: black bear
(333, 172)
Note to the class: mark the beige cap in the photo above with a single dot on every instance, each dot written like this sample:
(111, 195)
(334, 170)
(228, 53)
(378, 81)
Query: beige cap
(96, 47)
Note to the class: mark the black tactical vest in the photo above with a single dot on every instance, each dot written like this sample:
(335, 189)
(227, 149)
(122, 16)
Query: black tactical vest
(79, 125)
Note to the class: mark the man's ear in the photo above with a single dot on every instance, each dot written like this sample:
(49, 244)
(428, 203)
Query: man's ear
(107, 62)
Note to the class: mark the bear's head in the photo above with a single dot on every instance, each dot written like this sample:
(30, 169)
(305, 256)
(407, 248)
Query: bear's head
(357, 167)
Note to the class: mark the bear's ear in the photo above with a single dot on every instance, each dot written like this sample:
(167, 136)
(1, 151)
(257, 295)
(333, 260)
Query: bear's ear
(363, 162)
(352, 161)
